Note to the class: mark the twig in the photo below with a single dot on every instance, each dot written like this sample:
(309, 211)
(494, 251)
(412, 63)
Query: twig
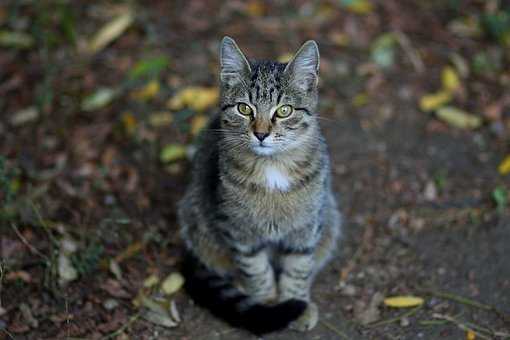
(395, 319)
(481, 332)
(469, 302)
(32, 249)
(334, 329)
(408, 48)
(131, 320)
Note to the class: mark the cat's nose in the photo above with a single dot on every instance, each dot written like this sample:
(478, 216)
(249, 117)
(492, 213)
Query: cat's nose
(261, 135)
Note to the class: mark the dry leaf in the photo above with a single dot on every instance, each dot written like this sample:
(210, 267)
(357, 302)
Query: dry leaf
(129, 122)
(470, 335)
(194, 97)
(504, 166)
(403, 301)
(24, 116)
(111, 31)
(430, 102)
(172, 283)
(458, 118)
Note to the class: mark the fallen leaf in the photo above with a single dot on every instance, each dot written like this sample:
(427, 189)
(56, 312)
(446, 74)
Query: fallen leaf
(28, 316)
(114, 288)
(403, 301)
(24, 116)
(504, 166)
(358, 6)
(285, 58)
(110, 31)
(470, 335)
(115, 269)
(174, 312)
(129, 122)
(430, 102)
(368, 314)
(458, 118)
(255, 8)
(172, 283)
(361, 99)
(383, 50)
(13, 39)
(99, 99)
(159, 119)
(150, 67)
(66, 271)
(198, 123)
(172, 152)
(151, 281)
(449, 79)
(19, 275)
(149, 91)
(194, 97)
(159, 319)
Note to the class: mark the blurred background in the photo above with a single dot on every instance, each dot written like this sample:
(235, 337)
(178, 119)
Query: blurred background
(100, 102)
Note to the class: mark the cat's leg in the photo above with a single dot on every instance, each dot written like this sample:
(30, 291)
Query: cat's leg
(256, 275)
(298, 268)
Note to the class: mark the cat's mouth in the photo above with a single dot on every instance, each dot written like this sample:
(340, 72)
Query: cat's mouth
(263, 149)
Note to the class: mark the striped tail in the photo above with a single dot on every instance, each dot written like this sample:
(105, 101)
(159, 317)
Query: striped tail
(222, 299)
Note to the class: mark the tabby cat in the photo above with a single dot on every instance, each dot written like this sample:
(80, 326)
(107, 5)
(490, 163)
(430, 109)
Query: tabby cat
(259, 218)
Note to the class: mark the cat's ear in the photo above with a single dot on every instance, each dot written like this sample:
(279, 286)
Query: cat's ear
(234, 65)
(303, 69)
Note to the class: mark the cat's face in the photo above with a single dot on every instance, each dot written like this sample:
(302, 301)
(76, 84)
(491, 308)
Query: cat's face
(268, 107)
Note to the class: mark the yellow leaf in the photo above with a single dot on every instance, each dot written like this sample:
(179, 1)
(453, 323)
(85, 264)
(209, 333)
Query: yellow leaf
(458, 118)
(403, 301)
(450, 79)
(504, 166)
(172, 152)
(147, 92)
(198, 123)
(359, 6)
(151, 281)
(470, 335)
(361, 99)
(285, 58)
(196, 98)
(432, 101)
(255, 8)
(172, 283)
(158, 119)
(129, 123)
(339, 38)
(111, 31)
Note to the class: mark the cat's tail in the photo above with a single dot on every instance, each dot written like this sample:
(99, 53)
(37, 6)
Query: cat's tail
(218, 295)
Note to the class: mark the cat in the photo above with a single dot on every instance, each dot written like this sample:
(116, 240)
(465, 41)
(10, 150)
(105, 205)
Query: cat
(259, 218)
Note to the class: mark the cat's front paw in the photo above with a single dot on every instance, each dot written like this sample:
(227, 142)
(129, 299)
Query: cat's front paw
(307, 320)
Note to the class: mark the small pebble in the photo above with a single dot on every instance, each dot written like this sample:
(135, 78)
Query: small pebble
(404, 322)
(110, 304)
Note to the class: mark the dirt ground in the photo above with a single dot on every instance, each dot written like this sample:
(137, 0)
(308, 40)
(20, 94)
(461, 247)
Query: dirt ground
(93, 160)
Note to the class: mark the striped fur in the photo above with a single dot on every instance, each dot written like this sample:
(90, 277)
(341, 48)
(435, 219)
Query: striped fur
(260, 215)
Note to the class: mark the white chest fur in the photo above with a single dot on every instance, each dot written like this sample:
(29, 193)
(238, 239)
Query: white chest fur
(276, 179)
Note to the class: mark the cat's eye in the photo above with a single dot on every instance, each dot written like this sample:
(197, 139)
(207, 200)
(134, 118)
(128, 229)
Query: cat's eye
(284, 111)
(244, 109)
